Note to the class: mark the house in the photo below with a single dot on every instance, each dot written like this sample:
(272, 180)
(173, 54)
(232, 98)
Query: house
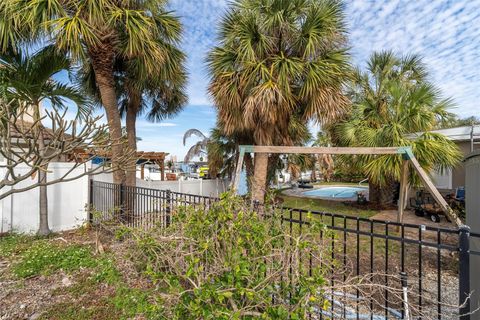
(467, 139)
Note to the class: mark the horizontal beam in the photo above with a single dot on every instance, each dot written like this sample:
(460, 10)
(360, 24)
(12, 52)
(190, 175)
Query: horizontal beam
(323, 150)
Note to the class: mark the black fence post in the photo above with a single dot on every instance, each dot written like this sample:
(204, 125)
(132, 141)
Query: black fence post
(168, 195)
(90, 201)
(123, 218)
(464, 272)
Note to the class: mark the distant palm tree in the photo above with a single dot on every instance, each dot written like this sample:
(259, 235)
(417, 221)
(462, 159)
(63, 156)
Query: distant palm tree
(199, 148)
(29, 80)
(394, 105)
(278, 60)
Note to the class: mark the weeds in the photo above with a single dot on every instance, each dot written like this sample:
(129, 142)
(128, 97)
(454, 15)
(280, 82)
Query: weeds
(43, 257)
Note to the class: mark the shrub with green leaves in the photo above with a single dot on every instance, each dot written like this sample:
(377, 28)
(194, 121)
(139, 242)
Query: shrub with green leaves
(228, 262)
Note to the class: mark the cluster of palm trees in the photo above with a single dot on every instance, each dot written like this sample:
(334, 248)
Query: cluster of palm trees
(278, 66)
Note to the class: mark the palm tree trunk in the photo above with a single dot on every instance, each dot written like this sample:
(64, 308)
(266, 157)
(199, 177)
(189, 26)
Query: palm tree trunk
(131, 119)
(131, 174)
(382, 195)
(102, 62)
(260, 177)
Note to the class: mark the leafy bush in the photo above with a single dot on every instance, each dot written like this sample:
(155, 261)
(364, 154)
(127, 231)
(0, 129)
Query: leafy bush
(229, 262)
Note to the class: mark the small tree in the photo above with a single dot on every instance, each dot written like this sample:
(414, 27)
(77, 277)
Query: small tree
(77, 141)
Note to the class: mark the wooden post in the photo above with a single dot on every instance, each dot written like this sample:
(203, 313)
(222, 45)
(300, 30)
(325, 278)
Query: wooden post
(405, 151)
(142, 171)
(162, 169)
(433, 190)
(403, 190)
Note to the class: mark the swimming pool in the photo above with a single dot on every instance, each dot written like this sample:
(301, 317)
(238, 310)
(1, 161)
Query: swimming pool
(335, 192)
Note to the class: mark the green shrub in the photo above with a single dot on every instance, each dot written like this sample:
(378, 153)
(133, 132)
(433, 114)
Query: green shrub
(228, 262)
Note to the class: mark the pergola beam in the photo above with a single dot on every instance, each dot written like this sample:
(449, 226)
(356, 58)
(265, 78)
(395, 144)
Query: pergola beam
(408, 157)
(322, 150)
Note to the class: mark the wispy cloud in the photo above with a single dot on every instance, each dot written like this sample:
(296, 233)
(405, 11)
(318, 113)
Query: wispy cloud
(445, 33)
(167, 124)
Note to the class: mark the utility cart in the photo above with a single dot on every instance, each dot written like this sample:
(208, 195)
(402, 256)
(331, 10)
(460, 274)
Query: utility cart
(425, 206)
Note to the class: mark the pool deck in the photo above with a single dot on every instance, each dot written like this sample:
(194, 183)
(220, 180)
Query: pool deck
(299, 192)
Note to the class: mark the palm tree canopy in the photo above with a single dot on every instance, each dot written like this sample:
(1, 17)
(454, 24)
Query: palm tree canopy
(277, 59)
(29, 78)
(131, 27)
(161, 95)
(199, 148)
(394, 104)
(193, 132)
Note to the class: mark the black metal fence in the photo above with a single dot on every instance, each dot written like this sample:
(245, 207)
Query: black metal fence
(136, 206)
(433, 262)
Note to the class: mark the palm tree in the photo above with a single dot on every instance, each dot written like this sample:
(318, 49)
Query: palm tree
(157, 96)
(29, 79)
(97, 32)
(276, 60)
(199, 148)
(394, 104)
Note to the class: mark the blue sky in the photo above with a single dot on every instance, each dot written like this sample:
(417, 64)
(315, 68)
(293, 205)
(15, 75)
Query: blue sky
(445, 33)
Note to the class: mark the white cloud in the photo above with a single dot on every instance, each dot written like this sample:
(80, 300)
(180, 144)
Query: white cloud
(167, 124)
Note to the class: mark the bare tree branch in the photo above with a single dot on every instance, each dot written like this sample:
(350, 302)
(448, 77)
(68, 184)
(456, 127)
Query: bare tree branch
(75, 141)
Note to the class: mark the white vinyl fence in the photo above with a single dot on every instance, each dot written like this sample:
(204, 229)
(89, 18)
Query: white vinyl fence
(66, 202)
(207, 188)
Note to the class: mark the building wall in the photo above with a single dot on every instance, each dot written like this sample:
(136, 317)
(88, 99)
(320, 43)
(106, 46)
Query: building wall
(19, 212)
(458, 173)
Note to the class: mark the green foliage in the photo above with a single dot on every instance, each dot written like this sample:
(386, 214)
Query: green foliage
(395, 105)
(228, 262)
(134, 302)
(44, 257)
(13, 244)
(106, 271)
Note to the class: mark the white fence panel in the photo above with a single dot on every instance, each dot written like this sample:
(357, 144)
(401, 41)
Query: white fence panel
(19, 212)
(208, 188)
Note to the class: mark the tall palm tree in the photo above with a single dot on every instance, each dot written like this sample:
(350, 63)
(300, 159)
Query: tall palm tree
(394, 104)
(199, 148)
(29, 80)
(157, 96)
(96, 31)
(276, 60)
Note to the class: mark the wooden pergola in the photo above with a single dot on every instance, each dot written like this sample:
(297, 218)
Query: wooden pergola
(152, 157)
(406, 152)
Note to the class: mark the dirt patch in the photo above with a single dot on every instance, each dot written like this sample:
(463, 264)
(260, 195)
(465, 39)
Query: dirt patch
(409, 217)
(74, 295)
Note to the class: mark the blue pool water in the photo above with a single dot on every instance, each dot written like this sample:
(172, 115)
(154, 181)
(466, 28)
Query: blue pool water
(335, 192)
